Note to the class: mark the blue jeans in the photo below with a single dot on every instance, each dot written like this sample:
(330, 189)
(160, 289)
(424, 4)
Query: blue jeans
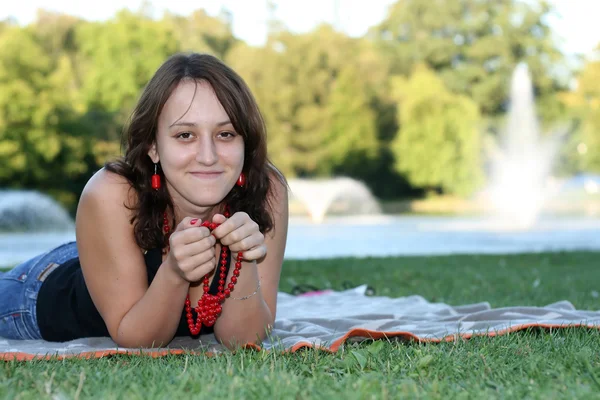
(19, 290)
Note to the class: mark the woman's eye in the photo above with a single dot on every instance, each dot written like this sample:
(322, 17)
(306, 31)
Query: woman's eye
(184, 135)
(227, 134)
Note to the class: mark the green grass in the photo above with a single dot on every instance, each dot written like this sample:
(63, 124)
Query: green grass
(531, 364)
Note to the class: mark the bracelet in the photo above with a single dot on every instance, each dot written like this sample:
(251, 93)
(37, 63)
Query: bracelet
(250, 295)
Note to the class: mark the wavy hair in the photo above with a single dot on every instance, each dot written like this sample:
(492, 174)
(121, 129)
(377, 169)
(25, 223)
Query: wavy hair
(140, 133)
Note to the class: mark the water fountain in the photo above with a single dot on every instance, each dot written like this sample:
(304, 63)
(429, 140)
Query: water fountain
(342, 195)
(31, 211)
(31, 223)
(521, 179)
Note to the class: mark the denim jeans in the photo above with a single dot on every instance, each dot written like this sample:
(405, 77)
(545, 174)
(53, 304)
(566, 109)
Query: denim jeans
(19, 290)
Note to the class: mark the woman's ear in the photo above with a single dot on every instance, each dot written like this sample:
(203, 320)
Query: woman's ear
(153, 154)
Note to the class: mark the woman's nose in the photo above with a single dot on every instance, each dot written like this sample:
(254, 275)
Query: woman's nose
(207, 151)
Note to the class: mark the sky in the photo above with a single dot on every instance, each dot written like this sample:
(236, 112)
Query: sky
(577, 23)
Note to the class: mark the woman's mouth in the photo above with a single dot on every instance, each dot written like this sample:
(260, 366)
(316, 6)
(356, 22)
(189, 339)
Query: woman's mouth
(207, 174)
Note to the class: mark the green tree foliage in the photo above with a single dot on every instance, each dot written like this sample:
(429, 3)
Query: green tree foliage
(438, 144)
(199, 32)
(316, 106)
(67, 87)
(474, 46)
(261, 69)
(117, 58)
(584, 146)
(31, 107)
(348, 136)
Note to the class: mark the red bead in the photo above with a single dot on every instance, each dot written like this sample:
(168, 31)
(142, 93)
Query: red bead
(155, 181)
(234, 279)
(241, 180)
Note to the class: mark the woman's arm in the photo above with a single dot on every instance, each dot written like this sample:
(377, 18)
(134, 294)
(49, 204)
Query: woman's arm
(249, 320)
(114, 269)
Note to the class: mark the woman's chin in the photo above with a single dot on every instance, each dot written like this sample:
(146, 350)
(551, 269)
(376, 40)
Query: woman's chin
(207, 202)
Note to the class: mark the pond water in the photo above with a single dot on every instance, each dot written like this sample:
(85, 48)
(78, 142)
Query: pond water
(386, 236)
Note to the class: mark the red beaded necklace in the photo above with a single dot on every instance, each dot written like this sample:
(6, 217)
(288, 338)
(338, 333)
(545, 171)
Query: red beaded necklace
(209, 305)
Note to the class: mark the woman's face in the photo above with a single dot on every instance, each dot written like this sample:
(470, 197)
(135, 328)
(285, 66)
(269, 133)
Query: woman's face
(200, 153)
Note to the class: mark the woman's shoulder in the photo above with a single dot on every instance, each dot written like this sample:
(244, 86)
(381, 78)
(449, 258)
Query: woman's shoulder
(108, 189)
(107, 179)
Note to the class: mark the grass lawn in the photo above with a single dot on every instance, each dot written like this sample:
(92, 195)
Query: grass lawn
(532, 364)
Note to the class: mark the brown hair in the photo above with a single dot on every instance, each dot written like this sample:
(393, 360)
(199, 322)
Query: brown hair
(240, 105)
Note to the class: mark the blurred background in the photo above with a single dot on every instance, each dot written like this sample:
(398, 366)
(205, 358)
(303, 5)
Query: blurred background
(404, 127)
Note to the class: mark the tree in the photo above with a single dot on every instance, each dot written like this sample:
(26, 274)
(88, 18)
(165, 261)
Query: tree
(438, 143)
(119, 56)
(199, 32)
(349, 139)
(34, 106)
(474, 46)
(262, 69)
(584, 147)
(317, 107)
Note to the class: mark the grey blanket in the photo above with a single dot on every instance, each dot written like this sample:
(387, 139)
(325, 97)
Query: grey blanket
(327, 320)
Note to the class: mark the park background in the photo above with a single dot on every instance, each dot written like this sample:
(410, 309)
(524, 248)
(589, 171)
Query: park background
(410, 100)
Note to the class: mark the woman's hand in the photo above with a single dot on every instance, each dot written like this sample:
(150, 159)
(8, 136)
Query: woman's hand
(192, 250)
(241, 233)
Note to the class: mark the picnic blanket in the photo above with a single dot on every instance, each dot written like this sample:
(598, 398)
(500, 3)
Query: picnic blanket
(326, 320)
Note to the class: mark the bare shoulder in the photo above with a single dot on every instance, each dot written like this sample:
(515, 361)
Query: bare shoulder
(107, 187)
(104, 213)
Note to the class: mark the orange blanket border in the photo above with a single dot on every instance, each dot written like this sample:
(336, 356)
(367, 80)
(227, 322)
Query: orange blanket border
(334, 347)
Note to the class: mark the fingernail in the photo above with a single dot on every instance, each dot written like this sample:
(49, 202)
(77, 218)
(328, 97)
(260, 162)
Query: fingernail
(193, 222)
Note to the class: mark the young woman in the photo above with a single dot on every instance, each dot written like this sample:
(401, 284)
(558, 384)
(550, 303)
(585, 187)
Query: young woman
(184, 235)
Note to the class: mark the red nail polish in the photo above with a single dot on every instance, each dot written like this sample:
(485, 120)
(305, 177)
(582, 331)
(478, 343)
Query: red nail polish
(193, 222)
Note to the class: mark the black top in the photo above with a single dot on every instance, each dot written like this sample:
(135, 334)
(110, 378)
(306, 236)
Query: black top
(65, 310)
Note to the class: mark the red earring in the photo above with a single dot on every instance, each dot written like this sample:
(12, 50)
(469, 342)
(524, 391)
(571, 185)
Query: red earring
(241, 180)
(155, 179)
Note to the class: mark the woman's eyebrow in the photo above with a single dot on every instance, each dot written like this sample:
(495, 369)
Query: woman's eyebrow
(184, 123)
